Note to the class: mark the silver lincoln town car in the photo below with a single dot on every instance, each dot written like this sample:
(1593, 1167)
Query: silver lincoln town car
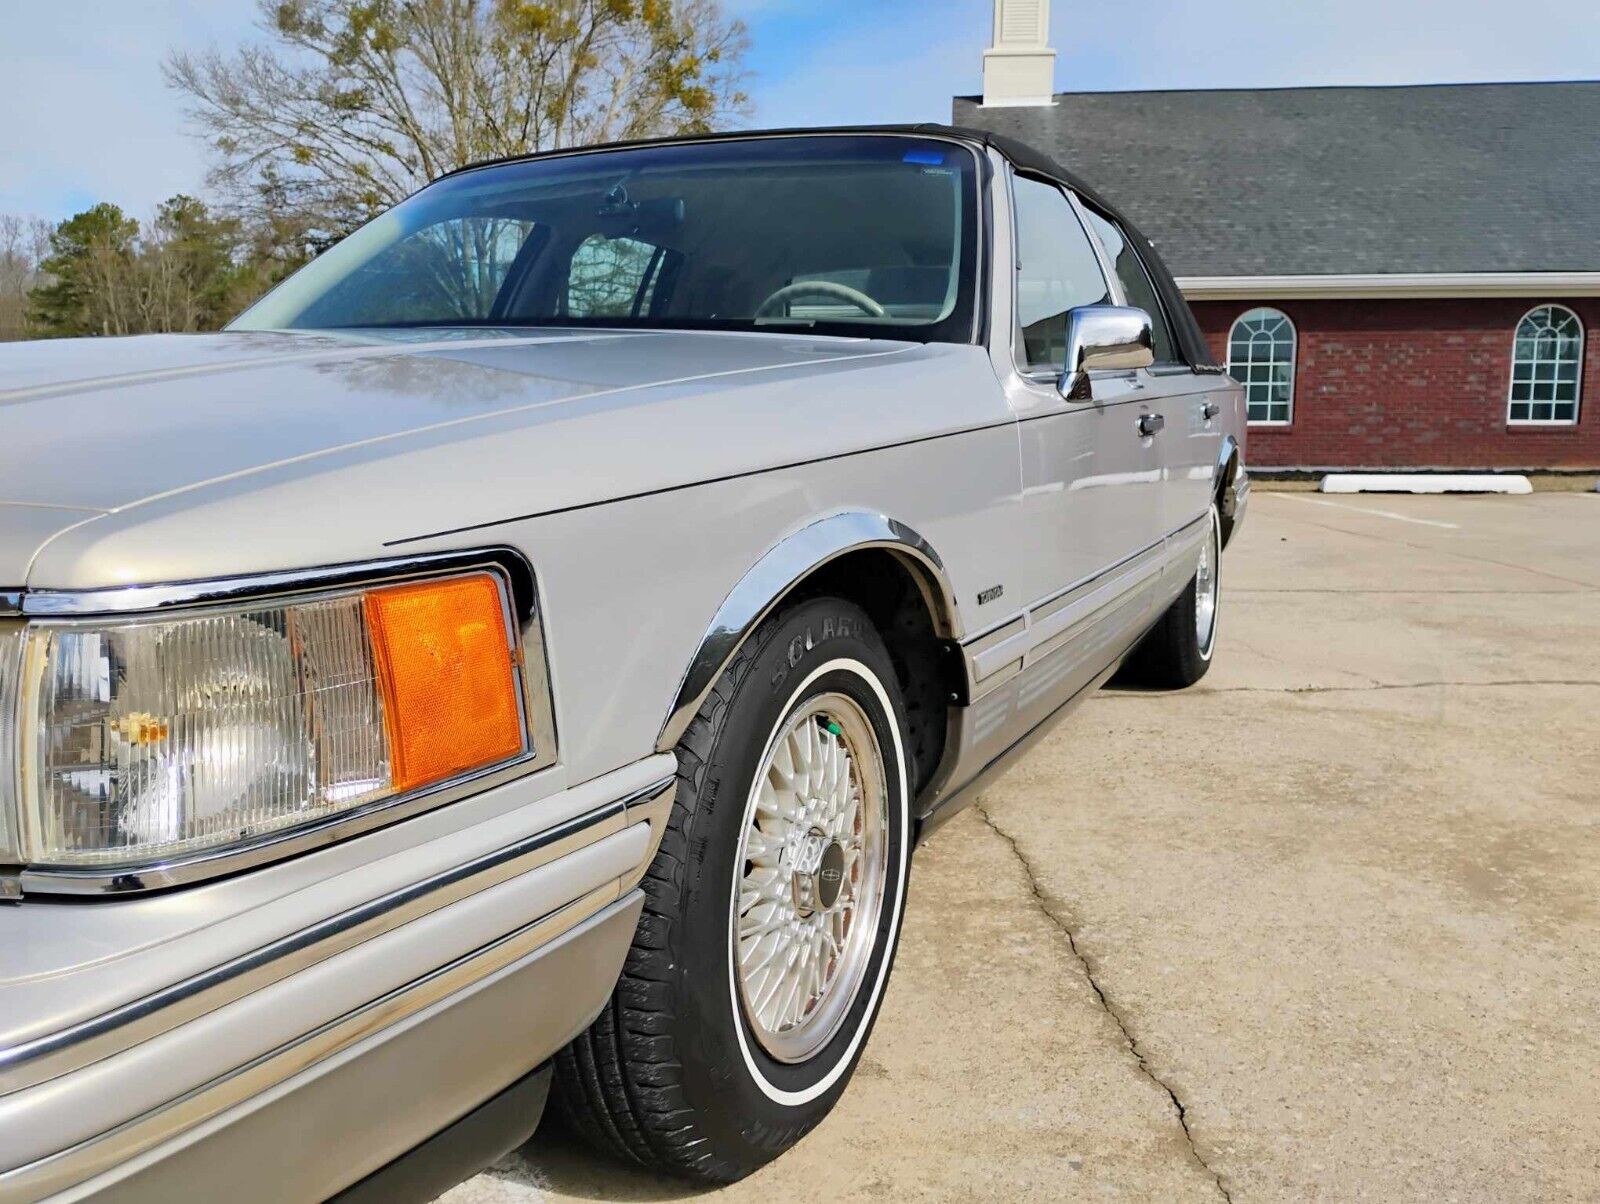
(520, 654)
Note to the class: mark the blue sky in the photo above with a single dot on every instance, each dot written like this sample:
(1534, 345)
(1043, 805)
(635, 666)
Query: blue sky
(88, 117)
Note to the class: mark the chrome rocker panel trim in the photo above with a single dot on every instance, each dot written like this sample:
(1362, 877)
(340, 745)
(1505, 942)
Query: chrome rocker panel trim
(534, 672)
(778, 571)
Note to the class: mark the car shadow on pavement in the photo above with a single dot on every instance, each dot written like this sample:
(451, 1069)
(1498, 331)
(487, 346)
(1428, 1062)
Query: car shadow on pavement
(560, 1165)
(1118, 686)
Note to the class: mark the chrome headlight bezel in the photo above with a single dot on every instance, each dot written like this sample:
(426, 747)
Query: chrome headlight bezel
(28, 610)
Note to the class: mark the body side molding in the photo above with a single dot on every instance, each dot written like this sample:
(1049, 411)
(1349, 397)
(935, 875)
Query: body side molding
(778, 571)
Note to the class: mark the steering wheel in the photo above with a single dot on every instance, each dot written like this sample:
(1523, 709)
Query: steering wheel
(820, 288)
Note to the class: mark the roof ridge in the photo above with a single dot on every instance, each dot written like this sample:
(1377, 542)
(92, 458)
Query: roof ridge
(1438, 85)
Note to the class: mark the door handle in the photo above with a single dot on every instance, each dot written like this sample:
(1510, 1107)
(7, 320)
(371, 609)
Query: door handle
(1210, 411)
(1149, 424)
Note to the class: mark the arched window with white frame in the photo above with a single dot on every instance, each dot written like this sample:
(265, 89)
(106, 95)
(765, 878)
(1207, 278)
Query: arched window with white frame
(1546, 366)
(1261, 357)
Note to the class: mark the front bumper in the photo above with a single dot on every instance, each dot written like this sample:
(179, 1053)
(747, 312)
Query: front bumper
(304, 1065)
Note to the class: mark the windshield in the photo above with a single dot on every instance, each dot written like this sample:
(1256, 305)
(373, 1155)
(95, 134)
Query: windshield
(847, 234)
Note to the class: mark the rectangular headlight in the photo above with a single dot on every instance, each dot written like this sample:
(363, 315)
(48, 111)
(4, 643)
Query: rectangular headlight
(148, 739)
(10, 671)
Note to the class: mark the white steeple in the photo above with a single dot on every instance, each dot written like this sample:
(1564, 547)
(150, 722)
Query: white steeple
(1019, 69)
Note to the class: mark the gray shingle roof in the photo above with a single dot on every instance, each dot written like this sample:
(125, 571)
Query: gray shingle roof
(1313, 181)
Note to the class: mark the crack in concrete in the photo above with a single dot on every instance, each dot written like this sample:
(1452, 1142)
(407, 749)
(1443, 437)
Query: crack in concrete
(1581, 682)
(1050, 912)
(1287, 664)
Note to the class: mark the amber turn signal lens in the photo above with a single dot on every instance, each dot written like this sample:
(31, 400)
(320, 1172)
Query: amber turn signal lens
(445, 670)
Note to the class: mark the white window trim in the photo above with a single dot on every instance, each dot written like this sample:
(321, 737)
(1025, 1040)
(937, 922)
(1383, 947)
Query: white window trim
(1577, 398)
(1294, 368)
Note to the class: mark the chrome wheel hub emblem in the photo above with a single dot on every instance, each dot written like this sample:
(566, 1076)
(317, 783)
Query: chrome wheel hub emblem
(818, 876)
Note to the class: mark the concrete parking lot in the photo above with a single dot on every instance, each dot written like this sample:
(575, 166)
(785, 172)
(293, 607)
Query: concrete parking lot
(1325, 927)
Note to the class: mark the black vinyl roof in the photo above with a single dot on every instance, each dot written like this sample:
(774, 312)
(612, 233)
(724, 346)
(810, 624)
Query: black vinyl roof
(1317, 181)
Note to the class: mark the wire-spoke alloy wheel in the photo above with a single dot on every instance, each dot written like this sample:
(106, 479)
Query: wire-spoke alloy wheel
(1205, 587)
(813, 856)
(772, 909)
(1177, 650)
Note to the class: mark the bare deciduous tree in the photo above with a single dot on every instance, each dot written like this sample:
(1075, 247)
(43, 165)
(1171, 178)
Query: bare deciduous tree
(24, 244)
(357, 103)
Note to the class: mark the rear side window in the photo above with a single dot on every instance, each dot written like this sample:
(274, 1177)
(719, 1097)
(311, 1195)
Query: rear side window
(611, 277)
(1056, 271)
(1136, 284)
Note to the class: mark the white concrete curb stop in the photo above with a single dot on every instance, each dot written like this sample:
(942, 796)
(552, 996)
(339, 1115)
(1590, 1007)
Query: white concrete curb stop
(1424, 482)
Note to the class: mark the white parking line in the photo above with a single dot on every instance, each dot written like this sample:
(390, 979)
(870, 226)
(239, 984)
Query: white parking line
(1402, 518)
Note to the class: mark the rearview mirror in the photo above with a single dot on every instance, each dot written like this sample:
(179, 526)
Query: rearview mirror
(1103, 337)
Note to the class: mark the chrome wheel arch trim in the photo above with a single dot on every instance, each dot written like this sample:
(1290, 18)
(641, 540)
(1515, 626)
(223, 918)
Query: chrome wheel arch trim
(1228, 484)
(1228, 452)
(774, 577)
(1222, 479)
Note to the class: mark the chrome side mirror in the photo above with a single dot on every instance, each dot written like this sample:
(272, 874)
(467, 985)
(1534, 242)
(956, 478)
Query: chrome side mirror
(1103, 337)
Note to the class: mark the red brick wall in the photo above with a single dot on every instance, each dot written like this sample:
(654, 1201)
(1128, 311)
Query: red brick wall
(1414, 384)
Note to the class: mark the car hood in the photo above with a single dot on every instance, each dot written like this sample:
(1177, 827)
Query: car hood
(94, 426)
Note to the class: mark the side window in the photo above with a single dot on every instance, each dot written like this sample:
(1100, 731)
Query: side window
(1056, 271)
(611, 278)
(1136, 284)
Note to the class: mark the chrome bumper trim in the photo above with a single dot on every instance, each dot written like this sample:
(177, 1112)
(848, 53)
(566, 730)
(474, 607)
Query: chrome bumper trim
(106, 1150)
(111, 1032)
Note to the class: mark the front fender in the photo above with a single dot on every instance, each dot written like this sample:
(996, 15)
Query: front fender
(783, 567)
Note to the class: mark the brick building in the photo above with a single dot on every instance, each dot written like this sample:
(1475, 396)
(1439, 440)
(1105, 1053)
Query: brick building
(1403, 277)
